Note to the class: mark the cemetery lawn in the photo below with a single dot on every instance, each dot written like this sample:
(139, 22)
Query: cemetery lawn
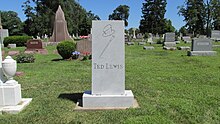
(169, 86)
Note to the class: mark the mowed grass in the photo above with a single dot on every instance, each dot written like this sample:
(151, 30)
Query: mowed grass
(169, 86)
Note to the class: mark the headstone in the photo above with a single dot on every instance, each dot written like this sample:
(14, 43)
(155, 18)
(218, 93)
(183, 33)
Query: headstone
(187, 48)
(169, 37)
(169, 41)
(201, 47)
(130, 43)
(108, 67)
(11, 45)
(215, 35)
(134, 34)
(148, 47)
(139, 36)
(35, 45)
(187, 39)
(84, 45)
(60, 31)
(141, 43)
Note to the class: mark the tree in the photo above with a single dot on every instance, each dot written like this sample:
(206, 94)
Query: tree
(194, 12)
(120, 13)
(215, 14)
(168, 26)
(153, 16)
(40, 18)
(12, 22)
(183, 31)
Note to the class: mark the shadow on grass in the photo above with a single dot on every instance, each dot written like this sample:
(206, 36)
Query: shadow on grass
(55, 60)
(75, 97)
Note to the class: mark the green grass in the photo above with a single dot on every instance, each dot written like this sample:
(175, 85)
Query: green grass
(169, 86)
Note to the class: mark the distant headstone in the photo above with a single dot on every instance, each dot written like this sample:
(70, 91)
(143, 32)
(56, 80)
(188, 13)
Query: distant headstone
(11, 45)
(215, 35)
(130, 43)
(60, 31)
(139, 36)
(134, 34)
(169, 37)
(35, 45)
(141, 43)
(187, 48)
(187, 39)
(201, 47)
(108, 67)
(84, 45)
(169, 41)
(148, 47)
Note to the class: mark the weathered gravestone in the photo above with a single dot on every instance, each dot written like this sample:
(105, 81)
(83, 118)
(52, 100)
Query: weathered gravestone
(84, 46)
(108, 67)
(35, 45)
(201, 47)
(215, 35)
(169, 41)
(60, 31)
(187, 39)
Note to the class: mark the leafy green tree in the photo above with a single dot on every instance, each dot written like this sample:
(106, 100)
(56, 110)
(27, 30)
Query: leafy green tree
(194, 12)
(153, 16)
(12, 22)
(120, 13)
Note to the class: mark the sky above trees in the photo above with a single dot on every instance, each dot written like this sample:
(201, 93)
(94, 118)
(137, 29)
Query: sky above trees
(103, 8)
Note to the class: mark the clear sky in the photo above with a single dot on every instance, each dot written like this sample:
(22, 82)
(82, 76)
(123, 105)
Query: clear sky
(103, 8)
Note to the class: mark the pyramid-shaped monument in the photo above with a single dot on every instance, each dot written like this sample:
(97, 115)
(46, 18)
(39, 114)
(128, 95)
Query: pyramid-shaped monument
(60, 31)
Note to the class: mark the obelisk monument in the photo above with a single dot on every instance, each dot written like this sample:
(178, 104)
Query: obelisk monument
(60, 31)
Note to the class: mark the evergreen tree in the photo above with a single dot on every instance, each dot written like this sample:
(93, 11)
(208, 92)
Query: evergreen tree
(153, 16)
(194, 12)
(215, 14)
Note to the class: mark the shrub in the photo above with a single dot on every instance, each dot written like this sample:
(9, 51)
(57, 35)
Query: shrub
(18, 40)
(25, 58)
(65, 48)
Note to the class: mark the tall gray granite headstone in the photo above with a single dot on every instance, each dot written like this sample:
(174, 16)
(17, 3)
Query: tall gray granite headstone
(169, 41)
(201, 47)
(108, 67)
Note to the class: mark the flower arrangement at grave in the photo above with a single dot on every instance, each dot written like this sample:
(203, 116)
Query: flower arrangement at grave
(86, 55)
(75, 54)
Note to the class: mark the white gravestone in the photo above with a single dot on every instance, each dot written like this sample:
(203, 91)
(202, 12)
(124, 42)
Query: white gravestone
(108, 67)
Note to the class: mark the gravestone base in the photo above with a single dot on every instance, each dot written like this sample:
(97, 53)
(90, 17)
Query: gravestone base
(130, 43)
(10, 95)
(141, 43)
(17, 108)
(183, 48)
(201, 53)
(102, 101)
(148, 48)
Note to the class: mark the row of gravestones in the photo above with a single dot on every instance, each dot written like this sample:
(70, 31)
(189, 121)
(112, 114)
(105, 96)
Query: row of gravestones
(108, 73)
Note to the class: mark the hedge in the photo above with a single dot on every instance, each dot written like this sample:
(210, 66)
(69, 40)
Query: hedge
(18, 40)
